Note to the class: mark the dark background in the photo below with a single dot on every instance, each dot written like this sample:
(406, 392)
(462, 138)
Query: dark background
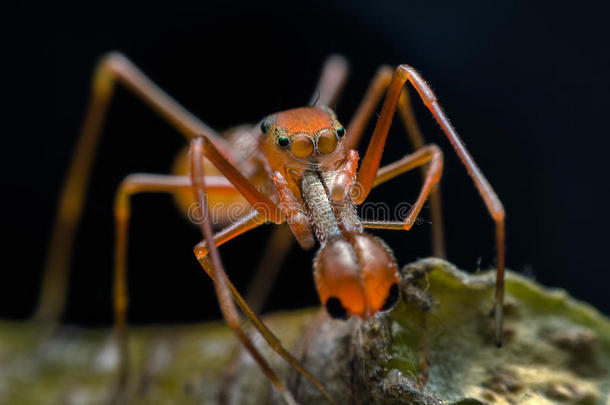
(525, 85)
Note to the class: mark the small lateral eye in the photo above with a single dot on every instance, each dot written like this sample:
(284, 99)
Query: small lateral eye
(340, 132)
(283, 141)
(264, 126)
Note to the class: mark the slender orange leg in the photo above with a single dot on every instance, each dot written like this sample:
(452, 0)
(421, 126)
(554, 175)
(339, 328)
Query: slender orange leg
(428, 154)
(378, 86)
(333, 76)
(209, 258)
(366, 109)
(260, 202)
(111, 69)
(358, 124)
(372, 158)
(407, 114)
(133, 184)
(218, 275)
(147, 183)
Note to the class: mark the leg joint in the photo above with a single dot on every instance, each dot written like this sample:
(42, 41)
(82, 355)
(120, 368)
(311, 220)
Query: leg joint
(113, 62)
(436, 151)
(384, 73)
(201, 250)
(499, 214)
(105, 72)
(410, 74)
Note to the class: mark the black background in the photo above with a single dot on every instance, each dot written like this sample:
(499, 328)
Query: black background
(525, 85)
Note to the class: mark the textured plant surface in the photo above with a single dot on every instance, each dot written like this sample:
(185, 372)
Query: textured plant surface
(556, 350)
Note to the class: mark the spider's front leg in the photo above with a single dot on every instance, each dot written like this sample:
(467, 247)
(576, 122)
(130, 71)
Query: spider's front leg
(378, 86)
(209, 258)
(113, 68)
(428, 154)
(370, 165)
(136, 184)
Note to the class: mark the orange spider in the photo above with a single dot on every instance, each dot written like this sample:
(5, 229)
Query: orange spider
(297, 166)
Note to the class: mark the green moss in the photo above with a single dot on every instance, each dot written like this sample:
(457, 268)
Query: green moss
(556, 349)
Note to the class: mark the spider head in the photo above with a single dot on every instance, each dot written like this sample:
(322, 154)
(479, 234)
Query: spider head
(357, 277)
(303, 136)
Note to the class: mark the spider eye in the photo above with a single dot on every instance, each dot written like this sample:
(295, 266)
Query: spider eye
(301, 146)
(340, 132)
(283, 141)
(264, 126)
(327, 142)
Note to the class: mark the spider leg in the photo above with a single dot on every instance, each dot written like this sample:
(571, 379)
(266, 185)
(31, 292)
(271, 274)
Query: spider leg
(427, 154)
(111, 69)
(140, 183)
(264, 209)
(135, 184)
(359, 122)
(372, 158)
(209, 258)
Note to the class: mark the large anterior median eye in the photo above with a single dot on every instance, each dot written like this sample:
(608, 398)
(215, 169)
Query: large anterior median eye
(301, 146)
(327, 142)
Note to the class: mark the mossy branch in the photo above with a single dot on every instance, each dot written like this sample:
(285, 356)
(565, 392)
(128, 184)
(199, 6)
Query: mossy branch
(557, 350)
